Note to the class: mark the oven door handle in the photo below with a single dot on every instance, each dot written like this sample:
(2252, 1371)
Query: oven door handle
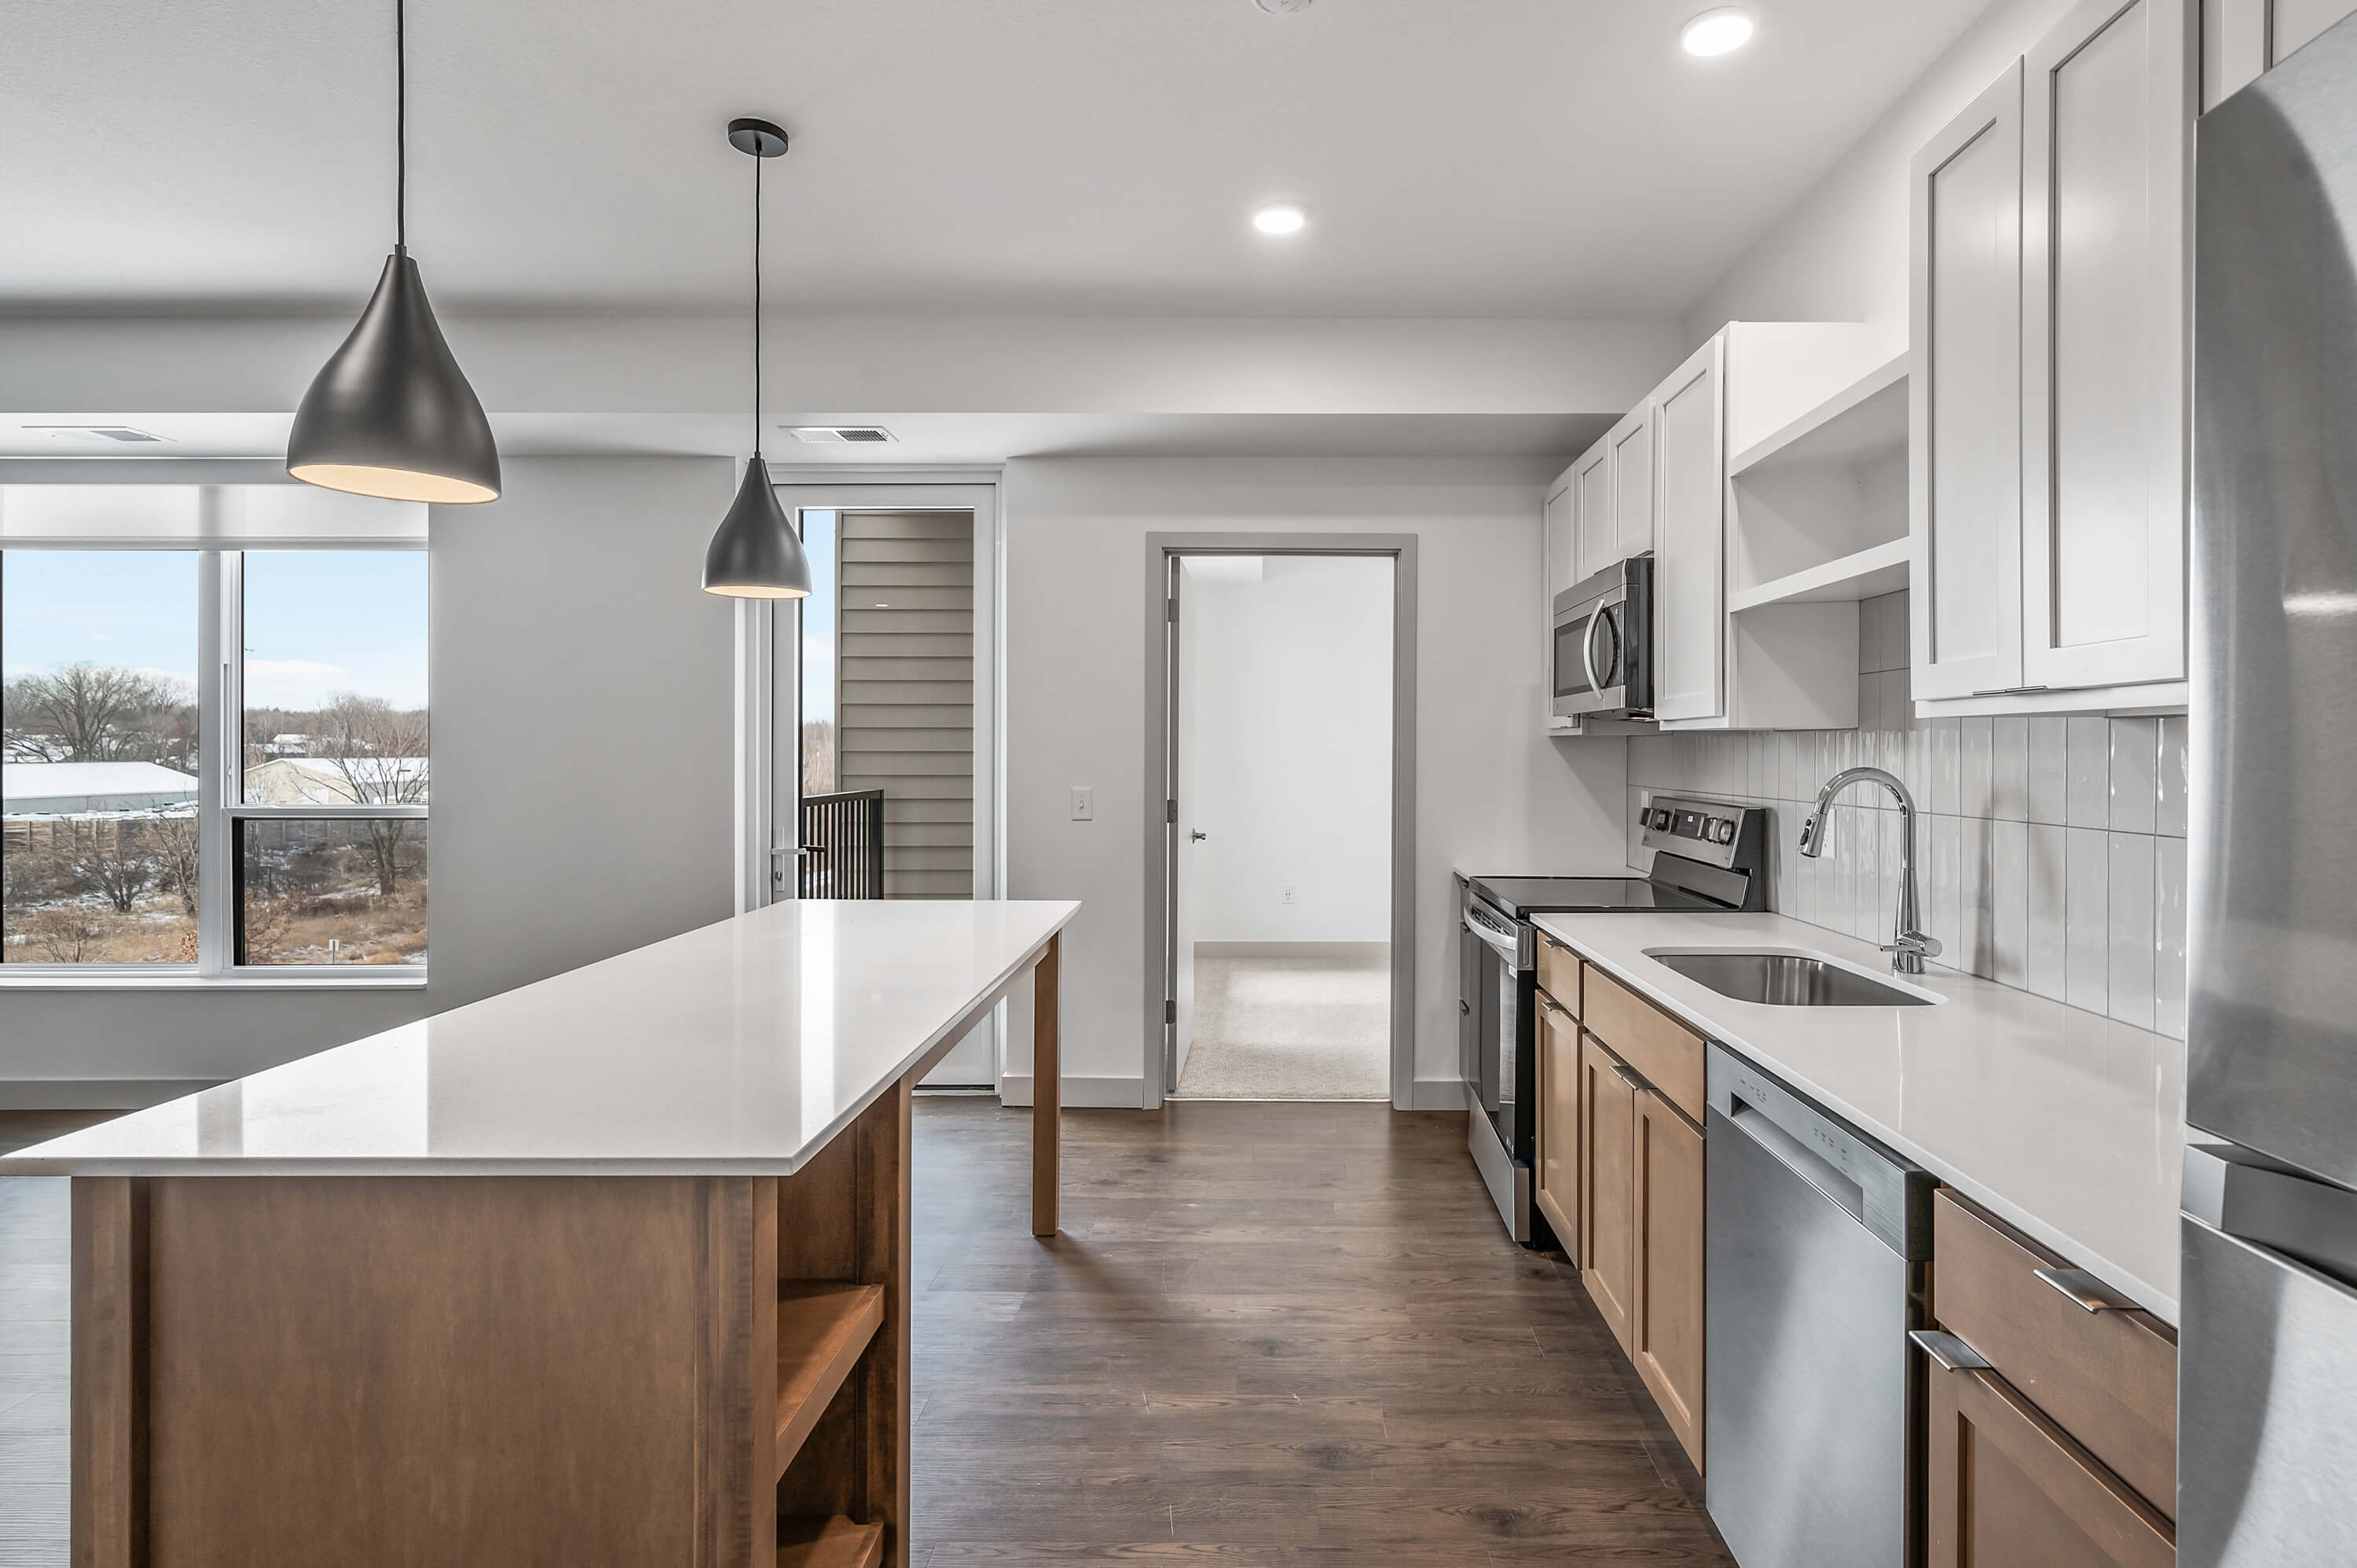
(1588, 650)
(1507, 946)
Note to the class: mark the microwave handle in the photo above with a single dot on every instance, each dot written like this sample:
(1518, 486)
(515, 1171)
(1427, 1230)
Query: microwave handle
(1596, 623)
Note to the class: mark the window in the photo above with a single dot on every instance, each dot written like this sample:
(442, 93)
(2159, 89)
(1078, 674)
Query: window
(818, 654)
(269, 821)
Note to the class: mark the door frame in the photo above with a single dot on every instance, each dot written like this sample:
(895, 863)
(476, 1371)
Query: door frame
(1160, 551)
(769, 676)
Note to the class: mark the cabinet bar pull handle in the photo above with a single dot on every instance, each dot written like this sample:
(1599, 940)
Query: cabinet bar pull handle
(1551, 1004)
(2009, 690)
(2085, 1290)
(1624, 1075)
(1951, 1353)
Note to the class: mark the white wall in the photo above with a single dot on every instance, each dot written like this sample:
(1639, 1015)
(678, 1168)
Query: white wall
(1840, 253)
(1292, 718)
(1491, 791)
(582, 787)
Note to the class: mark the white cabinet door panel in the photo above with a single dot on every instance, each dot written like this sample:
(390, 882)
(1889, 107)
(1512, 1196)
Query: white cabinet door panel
(1561, 546)
(1690, 539)
(1964, 397)
(1631, 442)
(1592, 483)
(2106, 125)
(2241, 38)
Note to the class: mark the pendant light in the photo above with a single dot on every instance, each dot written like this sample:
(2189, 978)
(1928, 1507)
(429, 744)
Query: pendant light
(755, 553)
(391, 414)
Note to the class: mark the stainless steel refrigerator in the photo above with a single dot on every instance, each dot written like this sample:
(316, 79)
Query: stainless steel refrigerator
(2268, 1389)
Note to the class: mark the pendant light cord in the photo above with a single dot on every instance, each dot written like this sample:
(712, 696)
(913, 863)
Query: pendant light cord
(400, 126)
(758, 161)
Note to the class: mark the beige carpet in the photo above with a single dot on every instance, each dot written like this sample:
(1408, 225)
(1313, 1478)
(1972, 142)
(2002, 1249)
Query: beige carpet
(1291, 1028)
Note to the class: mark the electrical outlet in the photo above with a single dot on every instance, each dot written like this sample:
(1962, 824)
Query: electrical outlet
(1084, 803)
(1288, 895)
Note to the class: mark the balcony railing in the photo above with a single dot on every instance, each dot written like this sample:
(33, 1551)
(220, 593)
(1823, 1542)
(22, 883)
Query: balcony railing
(843, 845)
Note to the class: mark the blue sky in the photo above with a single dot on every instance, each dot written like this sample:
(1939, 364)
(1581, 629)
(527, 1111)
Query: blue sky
(317, 622)
(818, 619)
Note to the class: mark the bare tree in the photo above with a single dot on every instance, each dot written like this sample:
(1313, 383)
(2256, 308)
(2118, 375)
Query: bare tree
(112, 864)
(379, 754)
(96, 713)
(175, 840)
(67, 933)
(818, 757)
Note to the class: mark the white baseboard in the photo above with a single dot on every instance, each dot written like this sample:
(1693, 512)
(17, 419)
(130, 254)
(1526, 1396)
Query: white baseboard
(95, 1093)
(1110, 1093)
(1437, 1094)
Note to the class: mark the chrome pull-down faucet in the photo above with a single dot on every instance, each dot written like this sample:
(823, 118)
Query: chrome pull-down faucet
(1908, 946)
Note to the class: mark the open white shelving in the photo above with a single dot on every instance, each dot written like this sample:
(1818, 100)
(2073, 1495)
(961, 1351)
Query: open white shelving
(1865, 573)
(1817, 508)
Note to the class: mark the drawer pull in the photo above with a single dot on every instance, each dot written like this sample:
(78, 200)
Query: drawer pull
(2085, 1290)
(1551, 1004)
(1951, 1353)
(1625, 1076)
(1551, 942)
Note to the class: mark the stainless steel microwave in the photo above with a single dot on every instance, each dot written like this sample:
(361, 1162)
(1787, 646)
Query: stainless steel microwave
(1603, 658)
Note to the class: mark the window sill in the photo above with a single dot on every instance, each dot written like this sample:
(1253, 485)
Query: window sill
(405, 979)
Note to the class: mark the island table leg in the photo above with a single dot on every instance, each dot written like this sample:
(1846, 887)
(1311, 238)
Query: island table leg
(1046, 1090)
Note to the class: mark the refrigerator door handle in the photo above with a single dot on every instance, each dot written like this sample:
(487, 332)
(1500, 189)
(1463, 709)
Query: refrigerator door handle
(2244, 1196)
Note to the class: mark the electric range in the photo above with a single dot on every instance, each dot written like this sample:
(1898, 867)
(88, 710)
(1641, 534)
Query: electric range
(1706, 856)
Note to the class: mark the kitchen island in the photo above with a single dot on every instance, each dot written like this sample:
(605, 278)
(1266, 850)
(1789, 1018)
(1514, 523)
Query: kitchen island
(611, 1269)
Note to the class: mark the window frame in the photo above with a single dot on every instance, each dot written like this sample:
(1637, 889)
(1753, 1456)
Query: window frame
(221, 804)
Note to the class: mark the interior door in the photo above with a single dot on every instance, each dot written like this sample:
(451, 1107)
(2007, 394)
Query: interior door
(1964, 400)
(1690, 539)
(2108, 126)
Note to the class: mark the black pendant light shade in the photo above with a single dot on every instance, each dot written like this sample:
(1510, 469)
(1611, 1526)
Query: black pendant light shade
(754, 554)
(391, 414)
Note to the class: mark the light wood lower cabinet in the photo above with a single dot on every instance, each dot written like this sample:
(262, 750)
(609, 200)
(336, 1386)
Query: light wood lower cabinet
(1608, 1230)
(1666, 1336)
(2009, 1488)
(1556, 1191)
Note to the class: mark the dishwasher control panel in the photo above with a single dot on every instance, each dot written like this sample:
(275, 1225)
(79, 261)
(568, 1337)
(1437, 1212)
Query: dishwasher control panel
(1881, 1189)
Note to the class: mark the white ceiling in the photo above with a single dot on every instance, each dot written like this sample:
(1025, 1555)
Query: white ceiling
(1458, 157)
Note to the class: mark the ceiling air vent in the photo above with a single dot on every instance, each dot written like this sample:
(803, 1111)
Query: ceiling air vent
(839, 434)
(123, 433)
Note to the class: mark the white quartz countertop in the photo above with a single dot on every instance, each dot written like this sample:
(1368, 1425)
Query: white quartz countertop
(2067, 1124)
(741, 1048)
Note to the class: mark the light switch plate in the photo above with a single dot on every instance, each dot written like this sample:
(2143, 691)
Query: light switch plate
(1084, 803)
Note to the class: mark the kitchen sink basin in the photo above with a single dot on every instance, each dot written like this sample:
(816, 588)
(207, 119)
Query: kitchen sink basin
(1787, 979)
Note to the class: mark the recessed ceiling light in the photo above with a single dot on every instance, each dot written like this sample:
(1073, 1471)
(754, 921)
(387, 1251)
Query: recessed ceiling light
(1718, 32)
(1280, 219)
(1282, 8)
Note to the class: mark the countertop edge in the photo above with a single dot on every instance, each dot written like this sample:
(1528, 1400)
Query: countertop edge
(26, 1165)
(2159, 1303)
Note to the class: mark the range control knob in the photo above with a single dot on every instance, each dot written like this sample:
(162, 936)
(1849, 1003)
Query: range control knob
(1722, 832)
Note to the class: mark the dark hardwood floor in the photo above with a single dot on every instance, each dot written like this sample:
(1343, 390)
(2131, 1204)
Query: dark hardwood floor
(1272, 1335)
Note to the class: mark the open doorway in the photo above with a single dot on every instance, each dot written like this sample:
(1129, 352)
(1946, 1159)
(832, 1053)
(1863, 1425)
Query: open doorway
(884, 772)
(1280, 753)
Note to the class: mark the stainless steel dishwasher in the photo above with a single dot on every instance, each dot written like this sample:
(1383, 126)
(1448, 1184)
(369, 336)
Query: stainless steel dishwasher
(1817, 1254)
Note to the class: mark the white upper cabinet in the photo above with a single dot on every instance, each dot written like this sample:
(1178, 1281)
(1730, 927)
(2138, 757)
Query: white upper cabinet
(2240, 38)
(2106, 134)
(1616, 493)
(1561, 541)
(1690, 538)
(2048, 449)
(1964, 400)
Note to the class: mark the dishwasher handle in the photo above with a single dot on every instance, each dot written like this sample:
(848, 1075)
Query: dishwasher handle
(1799, 1159)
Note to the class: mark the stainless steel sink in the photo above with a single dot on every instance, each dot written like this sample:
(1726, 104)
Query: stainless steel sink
(1788, 980)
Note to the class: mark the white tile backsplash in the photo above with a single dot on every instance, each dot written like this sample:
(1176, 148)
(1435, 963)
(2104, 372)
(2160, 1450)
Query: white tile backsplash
(2089, 772)
(2129, 992)
(2052, 854)
(2086, 918)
